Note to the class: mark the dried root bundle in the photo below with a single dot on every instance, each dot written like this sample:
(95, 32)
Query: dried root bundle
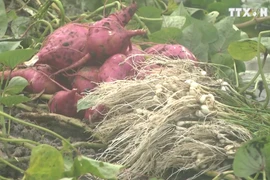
(173, 118)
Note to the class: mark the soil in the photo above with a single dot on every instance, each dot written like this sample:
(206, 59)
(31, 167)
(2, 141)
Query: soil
(19, 154)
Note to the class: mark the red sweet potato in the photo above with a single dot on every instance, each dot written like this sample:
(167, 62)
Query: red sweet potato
(173, 51)
(65, 103)
(114, 68)
(134, 60)
(125, 15)
(38, 79)
(95, 114)
(108, 37)
(85, 79)
(65, 47)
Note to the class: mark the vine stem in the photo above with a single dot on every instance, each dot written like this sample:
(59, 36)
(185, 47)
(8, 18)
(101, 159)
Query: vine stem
(11, 165)
(261, 69)
(38, 127)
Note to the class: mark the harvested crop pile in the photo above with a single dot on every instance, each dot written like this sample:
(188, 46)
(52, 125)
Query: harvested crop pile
(175, 119)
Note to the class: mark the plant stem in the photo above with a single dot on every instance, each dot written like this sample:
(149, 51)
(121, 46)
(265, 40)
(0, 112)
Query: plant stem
(38, 127)
(24, 142)
(100, 9)
(261, 69)
(252, 22)
(12, 166)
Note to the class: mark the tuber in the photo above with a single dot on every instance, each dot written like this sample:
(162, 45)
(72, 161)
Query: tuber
(174, 51)
(65, 103)
(85, 79)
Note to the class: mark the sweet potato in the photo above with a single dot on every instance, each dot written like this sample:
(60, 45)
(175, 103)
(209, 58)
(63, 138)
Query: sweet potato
(38, 79)
(65, 47)
(124, 16)
(85, 79)
(114, 68)
(174, 51)
(135, 59)
(108, 37)
(65, 103)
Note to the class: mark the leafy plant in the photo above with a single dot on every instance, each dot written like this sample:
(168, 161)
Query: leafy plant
(253, 158)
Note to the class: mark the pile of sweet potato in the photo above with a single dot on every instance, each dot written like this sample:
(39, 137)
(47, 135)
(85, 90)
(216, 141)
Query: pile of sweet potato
(84, 55)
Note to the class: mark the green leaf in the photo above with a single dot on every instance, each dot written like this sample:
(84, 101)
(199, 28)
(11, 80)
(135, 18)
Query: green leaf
(46, 162)
(87, 102)
(13, 58)
(264, 40)
(245, 50)
(150, 12)
(226, 35)
(222, 59)
(192, 39)
(252, 157)
(3, 19)
(20, 25)
(13, 100)
(8, 45)
(240, 66)
(84, 165)
(166, 35)
(173, 21)
(11, 15)
(16, 85)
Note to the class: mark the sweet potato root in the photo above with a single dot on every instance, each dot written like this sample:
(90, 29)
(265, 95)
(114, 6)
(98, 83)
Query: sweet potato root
(174, 51)
(85, 79)
(65, 103)
(107, 37)
(38, 79)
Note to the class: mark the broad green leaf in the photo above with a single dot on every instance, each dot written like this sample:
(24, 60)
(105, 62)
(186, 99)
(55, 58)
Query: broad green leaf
(166, 35)
(222, 59)
(240, 66)
(208, 30)
(11, 15)
(173, 21)
(3, 19)
(8, 45)
(180, 11)
(252, 157)
(245, 50)
(46, 162)
(13, 100)
(192, 39)
(13, 58)
(152, 13)
(20, 25)
(226, 35)
(16, 85)
(265, 41)
(84, 165)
